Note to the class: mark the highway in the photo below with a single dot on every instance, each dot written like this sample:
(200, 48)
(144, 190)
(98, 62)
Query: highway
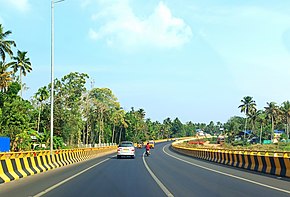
(163, 173)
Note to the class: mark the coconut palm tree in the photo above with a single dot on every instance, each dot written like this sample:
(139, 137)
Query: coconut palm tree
(5, 45)
(285, 108)
(41, 95)
(248, 106)
(253, 118)
(272, 112)
(5, 76)
(261, 118)
(141, 112)
(22, 63)
(167, 127)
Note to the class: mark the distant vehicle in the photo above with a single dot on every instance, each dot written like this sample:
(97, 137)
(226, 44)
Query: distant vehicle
(37, 146)
(151, 143)
(220, 139)
(238, 138)
(254, 140)
(126, 149)
(139, 144)
(200, 133)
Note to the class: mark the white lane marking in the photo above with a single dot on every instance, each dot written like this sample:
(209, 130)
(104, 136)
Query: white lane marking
(66, 180)
(230, 175)
(160, 184)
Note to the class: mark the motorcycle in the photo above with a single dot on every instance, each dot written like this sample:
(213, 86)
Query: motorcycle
(147, 153)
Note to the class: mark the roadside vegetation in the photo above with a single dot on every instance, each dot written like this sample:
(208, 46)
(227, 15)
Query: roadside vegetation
(94, 115)
(212, 144)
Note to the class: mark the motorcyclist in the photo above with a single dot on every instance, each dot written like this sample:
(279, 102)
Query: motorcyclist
(147, 147)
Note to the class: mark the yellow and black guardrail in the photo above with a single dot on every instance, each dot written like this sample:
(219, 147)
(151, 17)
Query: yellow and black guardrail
(16, 165)
(270, 162)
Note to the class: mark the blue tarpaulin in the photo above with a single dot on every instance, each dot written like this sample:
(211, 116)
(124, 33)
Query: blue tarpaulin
(247, 132)
(279, 132)
(4, 144)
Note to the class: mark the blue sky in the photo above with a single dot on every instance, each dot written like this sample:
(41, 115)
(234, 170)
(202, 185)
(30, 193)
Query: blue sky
(194, 60)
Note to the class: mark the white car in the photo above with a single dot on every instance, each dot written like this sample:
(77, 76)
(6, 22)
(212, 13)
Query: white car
(126, 148)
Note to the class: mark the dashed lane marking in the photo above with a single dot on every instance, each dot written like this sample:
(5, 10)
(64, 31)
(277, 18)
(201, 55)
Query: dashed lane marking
(66, 180)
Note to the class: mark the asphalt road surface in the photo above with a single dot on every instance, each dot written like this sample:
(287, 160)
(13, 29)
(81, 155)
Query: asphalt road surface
(163, 173)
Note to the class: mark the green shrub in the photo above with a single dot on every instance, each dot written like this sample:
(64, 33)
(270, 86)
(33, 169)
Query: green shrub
(284, 146)
(58, 142)
(23, 141)
(238, 143)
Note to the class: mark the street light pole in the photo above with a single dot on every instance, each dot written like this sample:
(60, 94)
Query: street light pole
(52, 74)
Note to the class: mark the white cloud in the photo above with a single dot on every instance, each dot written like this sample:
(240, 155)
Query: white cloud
(93, 35)
(123, 28)
(21, 5)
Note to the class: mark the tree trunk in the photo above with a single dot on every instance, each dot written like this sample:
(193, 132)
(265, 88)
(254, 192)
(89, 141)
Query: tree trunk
(20, 75)
(84, 135)
(38, 122)
(253, 128)
(100, 138)
(79, 136)
(287, 128)
(100, 129)
(87, 136)
(92, 136)
(100, 133)
(261, 134)
(113, 133)
(245, 130)
(102, 126)
(120, 136)
(116, 137)
(272, 135)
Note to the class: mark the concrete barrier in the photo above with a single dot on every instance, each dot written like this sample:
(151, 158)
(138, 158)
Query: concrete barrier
(16, 165)
(270, 162)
